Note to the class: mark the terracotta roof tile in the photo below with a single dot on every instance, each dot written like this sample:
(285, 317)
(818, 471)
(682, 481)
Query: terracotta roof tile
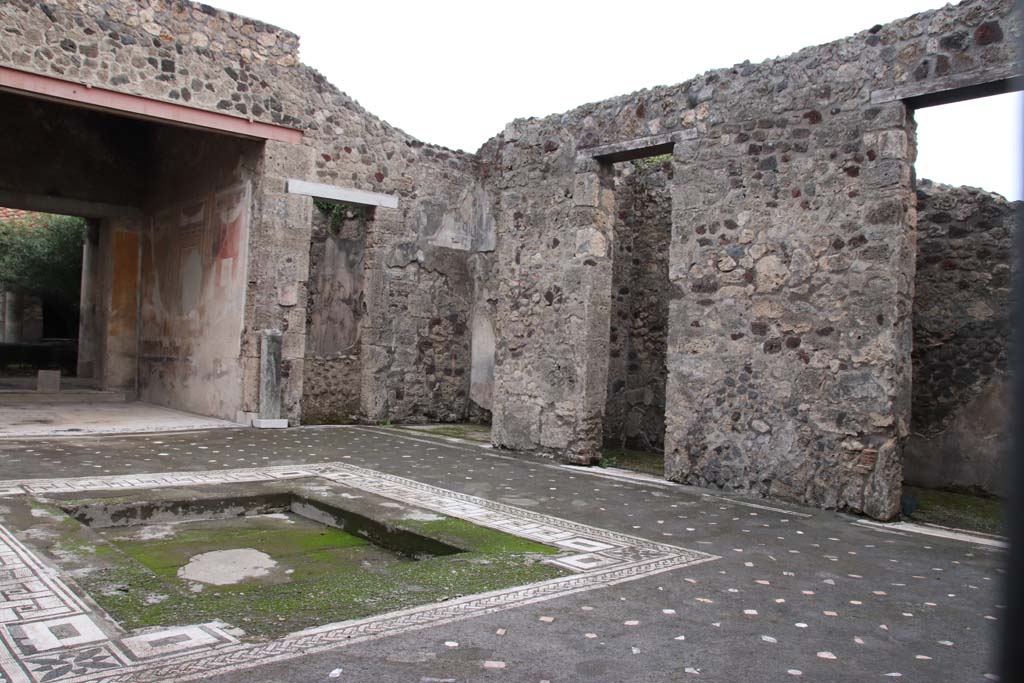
(12, 214)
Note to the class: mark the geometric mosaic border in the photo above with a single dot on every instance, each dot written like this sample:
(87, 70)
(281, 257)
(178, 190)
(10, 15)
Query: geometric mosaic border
(39, 613)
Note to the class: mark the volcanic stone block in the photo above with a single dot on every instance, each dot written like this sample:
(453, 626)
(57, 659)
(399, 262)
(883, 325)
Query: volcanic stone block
(48, 381)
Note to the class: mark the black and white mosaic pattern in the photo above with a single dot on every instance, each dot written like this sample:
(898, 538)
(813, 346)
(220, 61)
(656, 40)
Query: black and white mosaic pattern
(48, 634)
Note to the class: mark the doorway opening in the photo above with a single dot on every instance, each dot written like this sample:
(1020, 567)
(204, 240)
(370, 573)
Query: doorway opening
(335, 306)
(40, 289)
(955, 455)
(634, 419)
(152, 280)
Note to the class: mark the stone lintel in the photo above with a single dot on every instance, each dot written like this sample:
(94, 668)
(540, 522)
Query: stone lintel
(341, 194)
(954, 88)
(638, 148)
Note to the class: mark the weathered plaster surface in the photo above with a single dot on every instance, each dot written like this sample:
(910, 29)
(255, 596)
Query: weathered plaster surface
(121, 298)
(194, 273)
(331, 386)
(195, 254)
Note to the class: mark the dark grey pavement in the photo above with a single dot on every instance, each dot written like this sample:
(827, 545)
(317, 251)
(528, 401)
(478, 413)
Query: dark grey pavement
(798, 594)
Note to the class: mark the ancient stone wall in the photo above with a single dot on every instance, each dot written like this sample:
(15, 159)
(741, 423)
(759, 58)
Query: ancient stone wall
(962, 303)
(635, 412)
(197, 56)
(432, 279)
(792, 260)
(165, 49)
(490, 287)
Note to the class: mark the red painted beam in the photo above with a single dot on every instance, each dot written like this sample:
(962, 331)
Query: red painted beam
(46, 87)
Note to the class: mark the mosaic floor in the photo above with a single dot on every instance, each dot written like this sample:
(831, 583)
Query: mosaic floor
(51, 635)
(669, 583)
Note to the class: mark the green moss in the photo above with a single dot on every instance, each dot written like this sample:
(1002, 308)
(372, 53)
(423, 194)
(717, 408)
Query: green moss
(105, 551)
(646, 462)
(165, 556)
(649, 162)
(49, 508)
(958, 510)
(476, 538)
(329, 419)
(350, 592)
(73, 544)
(334, 576)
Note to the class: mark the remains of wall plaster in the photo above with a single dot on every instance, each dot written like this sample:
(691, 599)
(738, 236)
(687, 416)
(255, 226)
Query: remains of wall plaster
(482, 338)
(430, 282)
(119, 303)
(335, 305)
(962, 303)
(194, 272)
(635, 411)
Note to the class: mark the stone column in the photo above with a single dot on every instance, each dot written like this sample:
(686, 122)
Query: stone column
(12, 317)
(87, 323)
(270, 374)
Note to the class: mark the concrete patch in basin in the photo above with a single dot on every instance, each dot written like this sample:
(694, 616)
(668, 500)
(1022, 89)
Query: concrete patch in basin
(227, 567)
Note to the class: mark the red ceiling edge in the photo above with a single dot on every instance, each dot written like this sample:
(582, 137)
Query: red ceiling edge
(46, 87)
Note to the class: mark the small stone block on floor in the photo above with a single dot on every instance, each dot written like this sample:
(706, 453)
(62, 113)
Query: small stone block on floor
(48, 381)
(267, 423)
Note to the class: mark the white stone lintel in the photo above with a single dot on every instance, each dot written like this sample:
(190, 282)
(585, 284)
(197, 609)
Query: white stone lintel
(341, 194)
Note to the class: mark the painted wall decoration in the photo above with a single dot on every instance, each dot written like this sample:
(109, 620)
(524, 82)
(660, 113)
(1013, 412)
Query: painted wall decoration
(193, 303)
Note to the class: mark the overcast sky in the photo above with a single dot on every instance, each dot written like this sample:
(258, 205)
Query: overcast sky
(454, 73)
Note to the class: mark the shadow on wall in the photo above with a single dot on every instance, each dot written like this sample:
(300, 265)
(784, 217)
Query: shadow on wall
(961, 397)
(635, 406)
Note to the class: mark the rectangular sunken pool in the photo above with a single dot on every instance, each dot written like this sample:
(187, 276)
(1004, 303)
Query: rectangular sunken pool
(272, 561)
(138, 531)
